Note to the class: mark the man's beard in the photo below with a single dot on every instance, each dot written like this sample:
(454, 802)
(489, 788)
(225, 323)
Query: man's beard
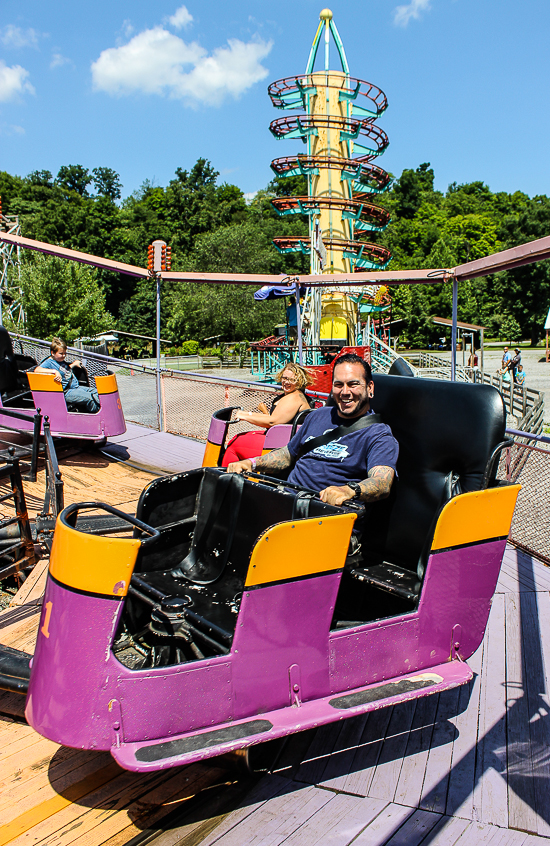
(361, 404)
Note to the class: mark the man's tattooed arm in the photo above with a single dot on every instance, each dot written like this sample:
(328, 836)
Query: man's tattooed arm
(378, 484)
(273, 462)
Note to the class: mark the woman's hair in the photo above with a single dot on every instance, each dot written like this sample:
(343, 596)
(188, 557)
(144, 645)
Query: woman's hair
(303, 378)
(57, 345)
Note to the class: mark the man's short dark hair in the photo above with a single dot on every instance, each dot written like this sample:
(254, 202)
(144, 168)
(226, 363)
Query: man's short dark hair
(353, 358)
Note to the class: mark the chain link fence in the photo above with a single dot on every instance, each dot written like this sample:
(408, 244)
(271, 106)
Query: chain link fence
(529, 465)
(186, 402)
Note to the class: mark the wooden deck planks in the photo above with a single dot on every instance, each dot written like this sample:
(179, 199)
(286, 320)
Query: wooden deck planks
(366, 757)
(490, 793)
(275, 820)
(534, 759)
(388, 767)
(460, 794)
(159, 451)
(338, 822)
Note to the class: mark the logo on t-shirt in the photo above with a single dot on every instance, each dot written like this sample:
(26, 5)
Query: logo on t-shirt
(335, 451)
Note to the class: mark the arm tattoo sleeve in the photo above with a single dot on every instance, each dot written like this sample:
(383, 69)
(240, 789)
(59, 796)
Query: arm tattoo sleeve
(277, 459)
(378, 484)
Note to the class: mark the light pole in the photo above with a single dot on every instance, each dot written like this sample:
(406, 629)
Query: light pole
(159, 258)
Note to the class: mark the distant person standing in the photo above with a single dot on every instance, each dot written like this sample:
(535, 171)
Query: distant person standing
(520, 375)
(514, 363)
(506, 356)
(292, 320)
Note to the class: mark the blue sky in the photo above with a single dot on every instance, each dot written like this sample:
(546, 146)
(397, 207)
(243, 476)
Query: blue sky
(147, 87)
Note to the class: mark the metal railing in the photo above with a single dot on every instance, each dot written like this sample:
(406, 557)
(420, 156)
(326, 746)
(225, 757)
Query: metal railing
(16, 544)
(53, 497)
(382, 355)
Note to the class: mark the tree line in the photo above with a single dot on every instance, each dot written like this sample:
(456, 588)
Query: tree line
(212, 228)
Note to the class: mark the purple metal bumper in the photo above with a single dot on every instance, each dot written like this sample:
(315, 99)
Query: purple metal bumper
(195, 746)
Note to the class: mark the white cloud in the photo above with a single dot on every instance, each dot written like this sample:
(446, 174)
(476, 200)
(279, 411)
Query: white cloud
(403, 14)
(180, 18)
(13, 36)
(127, 28)
(58, 60)
(11, 129)
(158, 62)
(13, 81)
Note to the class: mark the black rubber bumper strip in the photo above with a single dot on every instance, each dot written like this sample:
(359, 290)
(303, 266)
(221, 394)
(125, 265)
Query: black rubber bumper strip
(384, 691)
(181, 746)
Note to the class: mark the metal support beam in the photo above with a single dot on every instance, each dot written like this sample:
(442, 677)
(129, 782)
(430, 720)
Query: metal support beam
(454, 329)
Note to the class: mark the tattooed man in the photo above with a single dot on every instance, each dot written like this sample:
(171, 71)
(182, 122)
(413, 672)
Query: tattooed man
(359, 465)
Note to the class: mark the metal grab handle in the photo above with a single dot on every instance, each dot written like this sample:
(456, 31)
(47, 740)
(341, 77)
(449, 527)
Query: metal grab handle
(490, 468)
(66, 516)
(236, 419)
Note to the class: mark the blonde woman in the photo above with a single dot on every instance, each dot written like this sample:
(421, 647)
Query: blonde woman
(284, 408)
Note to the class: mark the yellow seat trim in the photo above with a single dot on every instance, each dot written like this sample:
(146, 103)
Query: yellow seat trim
(106, 384)
(211, 455)
(91, 563)
(300, 548)
(44, 382)
(476, 516)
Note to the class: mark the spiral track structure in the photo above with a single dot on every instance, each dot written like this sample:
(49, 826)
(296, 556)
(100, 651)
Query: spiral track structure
(338, 114)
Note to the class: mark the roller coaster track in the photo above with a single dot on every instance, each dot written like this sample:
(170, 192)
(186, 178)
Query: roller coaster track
(366, 216)
(366, 256)
(292, 93)
(352, 129)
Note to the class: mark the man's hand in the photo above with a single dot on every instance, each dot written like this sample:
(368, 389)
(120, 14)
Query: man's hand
(376, 486)
(76, 363)
(239, 466)
(274, 461)
(336, 496)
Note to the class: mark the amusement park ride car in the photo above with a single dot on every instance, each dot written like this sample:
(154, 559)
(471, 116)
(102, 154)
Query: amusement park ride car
(233, 615)
(24, 391)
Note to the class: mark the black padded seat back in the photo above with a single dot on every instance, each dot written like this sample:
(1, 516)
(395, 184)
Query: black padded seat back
(400, 367)
(8, 364)
(444, 430)
(82, 375)
(259, 507)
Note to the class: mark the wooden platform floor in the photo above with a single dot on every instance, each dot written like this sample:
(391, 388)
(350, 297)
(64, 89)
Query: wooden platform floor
(159, 452)
(468, 766)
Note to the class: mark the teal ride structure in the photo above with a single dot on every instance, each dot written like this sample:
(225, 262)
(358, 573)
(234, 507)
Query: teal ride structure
(335, 117)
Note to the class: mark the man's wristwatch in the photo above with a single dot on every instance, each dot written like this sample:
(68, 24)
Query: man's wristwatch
(356, 488)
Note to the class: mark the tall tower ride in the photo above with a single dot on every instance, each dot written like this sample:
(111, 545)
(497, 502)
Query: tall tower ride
(338, 119)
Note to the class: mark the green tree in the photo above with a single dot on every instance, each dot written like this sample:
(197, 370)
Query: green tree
(107, 182)
(74, 178)
(62, 298)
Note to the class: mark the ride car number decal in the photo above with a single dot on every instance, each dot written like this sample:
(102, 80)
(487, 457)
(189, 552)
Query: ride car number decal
(47, 615)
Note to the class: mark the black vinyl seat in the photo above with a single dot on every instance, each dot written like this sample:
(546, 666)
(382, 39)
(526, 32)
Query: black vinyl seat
(447, 432)
(14, 385)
